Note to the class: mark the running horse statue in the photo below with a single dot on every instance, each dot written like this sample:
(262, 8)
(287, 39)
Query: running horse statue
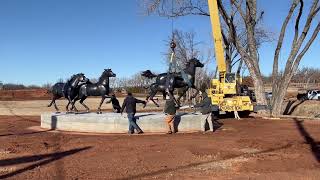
(68, 90)
(166, 83)
(101, 88)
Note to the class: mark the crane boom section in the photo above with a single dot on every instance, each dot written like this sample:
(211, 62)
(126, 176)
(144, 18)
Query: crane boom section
(217, 36)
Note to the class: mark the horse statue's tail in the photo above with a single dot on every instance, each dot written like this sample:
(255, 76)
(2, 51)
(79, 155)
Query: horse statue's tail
(49, 90)
(148, 74)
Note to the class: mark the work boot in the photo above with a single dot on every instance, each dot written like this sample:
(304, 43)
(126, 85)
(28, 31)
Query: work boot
(169, 132)
(140, 132)
(173, 129)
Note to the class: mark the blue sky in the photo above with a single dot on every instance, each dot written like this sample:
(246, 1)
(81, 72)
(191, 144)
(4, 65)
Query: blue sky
(44, 40)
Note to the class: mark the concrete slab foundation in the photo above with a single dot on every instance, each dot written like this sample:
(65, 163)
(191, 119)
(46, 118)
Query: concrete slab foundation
(115, 123)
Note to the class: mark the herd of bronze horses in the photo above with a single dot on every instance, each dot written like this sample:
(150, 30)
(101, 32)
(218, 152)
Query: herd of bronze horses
(79, 87)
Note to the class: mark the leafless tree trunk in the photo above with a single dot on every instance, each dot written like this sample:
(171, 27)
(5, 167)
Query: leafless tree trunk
(249, 53)
(281, 81)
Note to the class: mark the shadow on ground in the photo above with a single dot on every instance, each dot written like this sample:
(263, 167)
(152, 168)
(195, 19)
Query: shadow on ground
(44, 159)
(314, 146)
(21, 134)
(291, 106)
(155, 173)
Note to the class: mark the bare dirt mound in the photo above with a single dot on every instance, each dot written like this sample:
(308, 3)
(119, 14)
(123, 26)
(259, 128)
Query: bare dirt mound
(26, 94)
(309, 108)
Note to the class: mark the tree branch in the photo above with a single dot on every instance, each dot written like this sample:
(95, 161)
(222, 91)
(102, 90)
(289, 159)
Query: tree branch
(305, 49)
(280, 42)
(296, 27)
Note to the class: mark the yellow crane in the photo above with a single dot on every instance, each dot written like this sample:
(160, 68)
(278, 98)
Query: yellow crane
(224, 90)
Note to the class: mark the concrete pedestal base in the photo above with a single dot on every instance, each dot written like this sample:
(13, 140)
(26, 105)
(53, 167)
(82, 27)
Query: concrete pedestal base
(115, 123)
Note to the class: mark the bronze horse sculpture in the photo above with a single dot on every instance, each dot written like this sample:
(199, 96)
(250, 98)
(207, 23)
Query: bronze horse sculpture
(101, 88)
(166, 83)
(68, 90)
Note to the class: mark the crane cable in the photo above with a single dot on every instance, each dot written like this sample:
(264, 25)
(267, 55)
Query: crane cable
(172, 62)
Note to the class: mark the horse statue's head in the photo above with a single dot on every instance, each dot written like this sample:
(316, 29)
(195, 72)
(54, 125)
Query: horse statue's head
(108, 73)
(148, 74)
(195, 62)
(78, 79)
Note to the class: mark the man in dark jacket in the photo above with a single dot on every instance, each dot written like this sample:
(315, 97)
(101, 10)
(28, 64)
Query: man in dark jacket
(170, 111)
(129, 104)
(208, 109)
(115, 103)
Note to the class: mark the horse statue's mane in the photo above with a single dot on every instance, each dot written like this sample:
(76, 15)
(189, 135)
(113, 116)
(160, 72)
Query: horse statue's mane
(73, 77)
(103, 75)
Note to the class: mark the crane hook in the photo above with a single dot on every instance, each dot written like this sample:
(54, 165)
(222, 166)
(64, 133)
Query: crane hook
(172, 45)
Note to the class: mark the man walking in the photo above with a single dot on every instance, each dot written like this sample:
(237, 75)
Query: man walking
(207, 109)
(170, 111)
(129, 104)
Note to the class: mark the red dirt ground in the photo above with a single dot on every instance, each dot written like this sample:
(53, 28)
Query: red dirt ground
(245, 149)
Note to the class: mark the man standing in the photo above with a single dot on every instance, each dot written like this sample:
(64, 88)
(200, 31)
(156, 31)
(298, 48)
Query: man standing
(170, 111)
(130, 104)
(208, 110)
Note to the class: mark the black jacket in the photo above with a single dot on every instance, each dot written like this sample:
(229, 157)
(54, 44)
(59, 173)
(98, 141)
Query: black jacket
(170, 107)
(205, 104)
(115, 102)
(130, 104)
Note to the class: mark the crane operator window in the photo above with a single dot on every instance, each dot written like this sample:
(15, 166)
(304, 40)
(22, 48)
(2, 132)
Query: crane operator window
(230, 78)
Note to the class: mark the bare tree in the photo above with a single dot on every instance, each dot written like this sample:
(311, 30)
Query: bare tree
(249, 53)
(306, 75)
(299, 47)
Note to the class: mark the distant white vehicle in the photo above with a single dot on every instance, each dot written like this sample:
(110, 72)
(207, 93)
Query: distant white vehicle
(310, 95)
(268, 95)
(313, 95)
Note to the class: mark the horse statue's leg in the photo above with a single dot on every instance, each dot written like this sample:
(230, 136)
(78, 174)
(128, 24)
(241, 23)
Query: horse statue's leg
(164, 95)
(170, 93)
(74, 106)
(81, 102)
(54, 103)
(101, 102)
(152, 94)
(51, 103)
(184, 91)
(67, 106)
(147, 98)
(55, 106)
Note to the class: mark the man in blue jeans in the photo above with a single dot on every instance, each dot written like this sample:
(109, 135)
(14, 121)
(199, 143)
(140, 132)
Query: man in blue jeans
(130, 104)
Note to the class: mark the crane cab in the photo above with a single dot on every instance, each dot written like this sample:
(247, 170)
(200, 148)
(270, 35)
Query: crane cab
(224, 94)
